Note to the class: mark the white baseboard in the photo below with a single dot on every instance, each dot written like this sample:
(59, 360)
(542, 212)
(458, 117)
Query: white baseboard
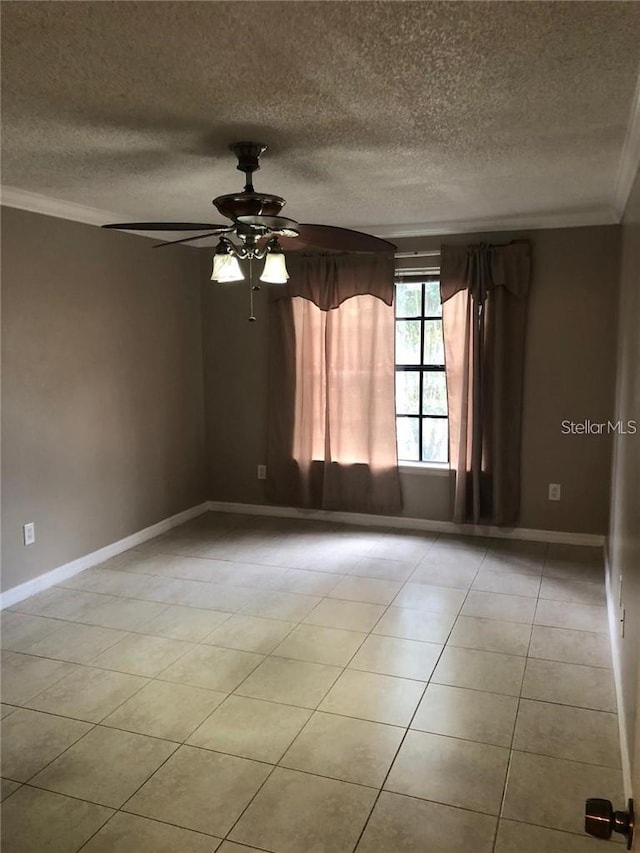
(68, 570)
(402, 523)
(614, 634)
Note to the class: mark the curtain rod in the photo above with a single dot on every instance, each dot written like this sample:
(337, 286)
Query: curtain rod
(426, 253)
(425, 272)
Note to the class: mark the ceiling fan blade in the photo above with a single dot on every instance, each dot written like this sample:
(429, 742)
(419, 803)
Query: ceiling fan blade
(196, 237)
(338, 239)
(164, 226)
(272, 224)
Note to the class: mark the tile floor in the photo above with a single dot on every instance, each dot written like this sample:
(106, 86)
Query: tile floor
(290, 686)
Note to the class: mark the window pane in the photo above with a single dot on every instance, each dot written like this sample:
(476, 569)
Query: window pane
(432, 306)
(434, 394)
(408, 439)
(433, 343)
(408, 393)
(435, 439)
(408, 299)
(408, 342)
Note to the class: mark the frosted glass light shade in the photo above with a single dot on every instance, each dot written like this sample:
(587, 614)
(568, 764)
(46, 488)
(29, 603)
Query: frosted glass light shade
(226, 269)
(275, 269)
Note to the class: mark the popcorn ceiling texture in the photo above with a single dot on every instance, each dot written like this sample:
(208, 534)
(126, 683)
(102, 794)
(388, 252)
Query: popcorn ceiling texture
(375, 113)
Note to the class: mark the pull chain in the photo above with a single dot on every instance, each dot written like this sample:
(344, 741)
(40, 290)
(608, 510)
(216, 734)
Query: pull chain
(252, 288)
(252, 317)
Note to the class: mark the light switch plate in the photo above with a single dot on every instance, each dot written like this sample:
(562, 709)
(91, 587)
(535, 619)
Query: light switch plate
(29, 533)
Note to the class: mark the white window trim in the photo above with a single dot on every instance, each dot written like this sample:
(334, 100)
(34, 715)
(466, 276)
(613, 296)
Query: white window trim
(406, 466)
(429, 469)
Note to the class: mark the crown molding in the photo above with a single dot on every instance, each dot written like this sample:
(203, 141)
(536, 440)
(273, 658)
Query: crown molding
(630, 157)
(37, 203)
(525, 222)
(48, 206)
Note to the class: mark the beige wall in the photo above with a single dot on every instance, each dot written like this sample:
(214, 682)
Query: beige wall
(107, 347)
(102, 409)
(569, 374)
(624, 540)
(235, 380)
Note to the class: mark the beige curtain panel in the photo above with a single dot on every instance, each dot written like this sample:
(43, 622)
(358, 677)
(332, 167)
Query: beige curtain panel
(332, 431)
(484, 294)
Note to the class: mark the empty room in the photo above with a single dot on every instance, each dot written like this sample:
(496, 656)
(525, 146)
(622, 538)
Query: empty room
(320, 426)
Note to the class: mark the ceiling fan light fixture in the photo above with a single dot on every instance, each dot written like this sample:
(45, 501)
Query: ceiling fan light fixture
(226, 268)
(256, 226)
(275, 267)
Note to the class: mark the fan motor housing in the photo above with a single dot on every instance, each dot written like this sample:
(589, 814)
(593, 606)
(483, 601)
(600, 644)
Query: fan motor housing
(248, 204)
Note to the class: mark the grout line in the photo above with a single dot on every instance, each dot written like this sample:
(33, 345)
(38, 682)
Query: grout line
(295, 624)
(29, 781)
(92, 664)
(408, 727)
(315, 709)
(515, 719)
(99, 829)
(313, 712)
(231, 586)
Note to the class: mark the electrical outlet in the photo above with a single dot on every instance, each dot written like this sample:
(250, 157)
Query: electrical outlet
(554, 491)
(262, 472)
(29, 533)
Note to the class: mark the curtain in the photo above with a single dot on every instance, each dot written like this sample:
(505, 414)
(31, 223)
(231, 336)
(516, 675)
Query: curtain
(332, 429)
(484, 291)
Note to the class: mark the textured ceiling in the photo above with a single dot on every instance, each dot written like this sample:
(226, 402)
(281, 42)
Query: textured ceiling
(394, 114)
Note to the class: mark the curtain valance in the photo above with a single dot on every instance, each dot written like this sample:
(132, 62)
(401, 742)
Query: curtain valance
(328, 279)
(482, 267)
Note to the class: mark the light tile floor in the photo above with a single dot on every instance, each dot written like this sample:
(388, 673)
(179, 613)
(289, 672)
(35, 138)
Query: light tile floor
(246, 683)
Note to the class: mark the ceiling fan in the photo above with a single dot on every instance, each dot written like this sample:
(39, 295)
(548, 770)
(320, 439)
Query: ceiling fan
(257, 230)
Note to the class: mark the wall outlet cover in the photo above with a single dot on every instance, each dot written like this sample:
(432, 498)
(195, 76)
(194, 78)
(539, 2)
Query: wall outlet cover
(554, 491)
(262, 472)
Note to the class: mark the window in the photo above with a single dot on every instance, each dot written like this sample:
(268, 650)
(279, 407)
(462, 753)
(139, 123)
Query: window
(421, 388)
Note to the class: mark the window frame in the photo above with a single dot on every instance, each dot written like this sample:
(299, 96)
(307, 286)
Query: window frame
(421, 369)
